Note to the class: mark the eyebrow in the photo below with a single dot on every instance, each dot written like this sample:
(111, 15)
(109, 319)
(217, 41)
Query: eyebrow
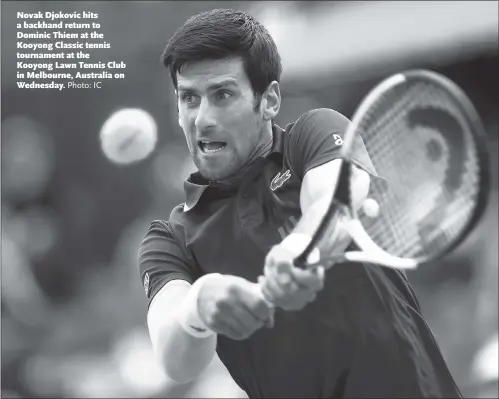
(214, 86)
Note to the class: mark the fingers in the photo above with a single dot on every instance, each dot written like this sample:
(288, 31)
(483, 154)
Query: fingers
(234, 320)
(242, 316)
(287, 286)
(243, 311)
(279, 268)
(285, 276)
(262, 308)
(290, 297)
(230, 328)
(310, 278)
(259, 306)
(280, 279)
(233, 306)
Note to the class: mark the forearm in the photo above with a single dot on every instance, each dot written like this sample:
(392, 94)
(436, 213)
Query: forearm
(315, 209)
(312, 216)
(317, 205)
(183, 356)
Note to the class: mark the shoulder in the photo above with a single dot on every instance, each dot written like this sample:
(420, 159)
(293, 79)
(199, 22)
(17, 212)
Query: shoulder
(315, 138)
(159, 227)
(158, 232)
(319, 119)
(165, 228)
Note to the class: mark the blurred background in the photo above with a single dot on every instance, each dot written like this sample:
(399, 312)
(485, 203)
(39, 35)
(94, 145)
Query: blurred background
(73, 317)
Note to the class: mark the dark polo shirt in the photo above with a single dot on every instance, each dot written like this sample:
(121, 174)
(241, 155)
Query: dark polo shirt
(363, 336)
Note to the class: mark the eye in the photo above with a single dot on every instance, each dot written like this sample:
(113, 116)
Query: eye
(188, 98)
(223, 95)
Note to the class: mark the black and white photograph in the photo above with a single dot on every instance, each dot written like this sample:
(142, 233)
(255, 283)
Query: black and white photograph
(249, 199)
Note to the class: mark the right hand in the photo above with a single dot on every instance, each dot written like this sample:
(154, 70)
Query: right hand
(234, 307)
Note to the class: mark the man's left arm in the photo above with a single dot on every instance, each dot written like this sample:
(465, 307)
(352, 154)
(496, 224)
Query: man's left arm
(317, 191)
(314, 153)
(285, 285)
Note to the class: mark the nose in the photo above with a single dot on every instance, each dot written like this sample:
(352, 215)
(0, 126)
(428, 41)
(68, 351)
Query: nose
(205, 118)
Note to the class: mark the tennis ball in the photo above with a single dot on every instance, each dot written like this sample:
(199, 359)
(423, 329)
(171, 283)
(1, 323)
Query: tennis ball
(128, 135)
(370, 208)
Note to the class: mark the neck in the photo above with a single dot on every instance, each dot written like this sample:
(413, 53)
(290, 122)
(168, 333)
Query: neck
(261, 151)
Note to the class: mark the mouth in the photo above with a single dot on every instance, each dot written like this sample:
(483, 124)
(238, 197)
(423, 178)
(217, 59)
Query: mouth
(211, 147)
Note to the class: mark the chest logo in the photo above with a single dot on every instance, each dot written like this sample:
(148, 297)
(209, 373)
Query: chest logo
(279, 180)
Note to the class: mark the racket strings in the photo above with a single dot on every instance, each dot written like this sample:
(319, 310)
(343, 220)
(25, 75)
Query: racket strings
(430, 165)
(404, 241)
(386, 154)
(408, 235)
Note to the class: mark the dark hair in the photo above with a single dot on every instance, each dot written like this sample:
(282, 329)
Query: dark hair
(223, 33)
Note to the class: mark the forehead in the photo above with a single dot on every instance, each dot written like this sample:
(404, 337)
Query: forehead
(205, 73)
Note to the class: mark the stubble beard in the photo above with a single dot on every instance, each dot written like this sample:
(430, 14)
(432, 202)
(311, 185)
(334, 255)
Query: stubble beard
(233, 170)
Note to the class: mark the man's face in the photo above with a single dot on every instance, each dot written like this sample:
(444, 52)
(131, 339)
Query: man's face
(216, 111)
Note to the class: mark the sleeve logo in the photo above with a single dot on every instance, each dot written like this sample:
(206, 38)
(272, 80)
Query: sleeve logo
(337, 139)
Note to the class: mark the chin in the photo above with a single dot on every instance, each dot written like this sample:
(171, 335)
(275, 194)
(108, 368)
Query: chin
(215, 174)
(211, 174)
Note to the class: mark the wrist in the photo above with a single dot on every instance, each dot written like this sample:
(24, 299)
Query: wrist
(188, 314)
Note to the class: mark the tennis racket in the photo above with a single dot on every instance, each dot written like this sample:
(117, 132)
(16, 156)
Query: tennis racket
(427, 141)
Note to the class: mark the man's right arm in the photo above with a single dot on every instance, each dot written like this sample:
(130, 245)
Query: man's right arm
(167, 276)
(183, 356)
(184, 319)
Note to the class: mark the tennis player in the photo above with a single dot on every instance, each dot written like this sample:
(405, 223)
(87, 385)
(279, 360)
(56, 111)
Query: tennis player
(250, 209)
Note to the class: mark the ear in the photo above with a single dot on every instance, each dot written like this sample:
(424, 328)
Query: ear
(271, 101)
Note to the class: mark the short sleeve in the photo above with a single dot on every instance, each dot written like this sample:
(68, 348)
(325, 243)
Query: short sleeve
(317, 137)
(161, 259)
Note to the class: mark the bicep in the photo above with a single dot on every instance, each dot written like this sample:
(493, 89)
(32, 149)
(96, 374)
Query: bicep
(318, 185)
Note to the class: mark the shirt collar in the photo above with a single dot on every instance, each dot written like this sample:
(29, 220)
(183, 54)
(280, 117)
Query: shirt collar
(195, 184)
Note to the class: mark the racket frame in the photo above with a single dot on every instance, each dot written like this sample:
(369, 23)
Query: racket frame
(370, 251)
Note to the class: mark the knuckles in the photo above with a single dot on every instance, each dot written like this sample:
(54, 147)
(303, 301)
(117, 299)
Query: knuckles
(294, 301)
(223, 305)
(232, 292)
(226, 297)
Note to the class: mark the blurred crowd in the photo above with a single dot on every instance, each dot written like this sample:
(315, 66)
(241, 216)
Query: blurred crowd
(73, 308)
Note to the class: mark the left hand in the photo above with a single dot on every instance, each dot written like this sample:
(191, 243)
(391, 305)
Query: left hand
(287, 286)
